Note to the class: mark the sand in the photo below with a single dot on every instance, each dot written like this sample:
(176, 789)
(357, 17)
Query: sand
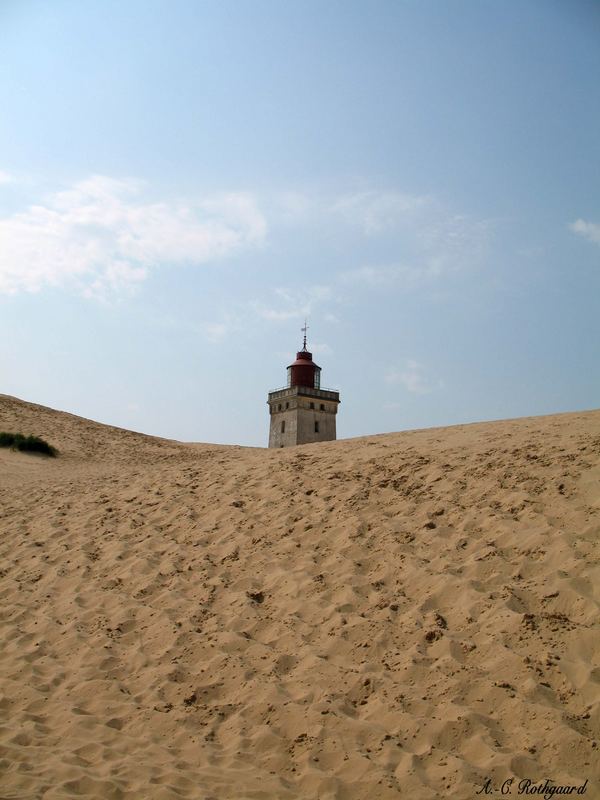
(399, 615)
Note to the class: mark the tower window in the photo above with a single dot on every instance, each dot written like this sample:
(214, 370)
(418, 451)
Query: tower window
(322, 407)
(279, 407)
(316, 427)
(287, 405)
(283, 426)
(312, 405)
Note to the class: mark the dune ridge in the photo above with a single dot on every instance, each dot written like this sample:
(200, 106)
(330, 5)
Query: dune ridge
(404, 614)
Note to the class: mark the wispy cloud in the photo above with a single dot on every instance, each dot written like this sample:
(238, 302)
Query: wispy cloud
(412, 376)
(320, 349)
(431, 240)
(216, 332)
(382, 276)
(376, 212)
(100, 236)
(5, 177)
(589, 230)
(287, 304)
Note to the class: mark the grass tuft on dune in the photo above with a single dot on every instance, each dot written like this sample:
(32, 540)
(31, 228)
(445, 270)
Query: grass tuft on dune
(26, 444)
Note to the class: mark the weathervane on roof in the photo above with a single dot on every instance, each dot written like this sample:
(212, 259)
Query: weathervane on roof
(304, 329)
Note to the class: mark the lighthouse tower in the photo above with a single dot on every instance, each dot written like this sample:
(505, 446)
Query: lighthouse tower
(302, 412)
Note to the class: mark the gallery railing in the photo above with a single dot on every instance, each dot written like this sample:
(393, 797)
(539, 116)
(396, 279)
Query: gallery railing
(325, 394)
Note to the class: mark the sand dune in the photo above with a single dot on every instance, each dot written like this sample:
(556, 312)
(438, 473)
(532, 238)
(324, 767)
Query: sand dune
(406, 614)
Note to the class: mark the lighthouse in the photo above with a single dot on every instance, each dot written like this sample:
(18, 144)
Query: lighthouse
(302, 412)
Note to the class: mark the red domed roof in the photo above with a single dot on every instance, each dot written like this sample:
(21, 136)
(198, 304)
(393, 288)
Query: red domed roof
(304, 359)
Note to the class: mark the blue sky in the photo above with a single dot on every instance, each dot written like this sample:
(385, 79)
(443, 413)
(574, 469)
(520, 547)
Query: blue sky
(182, 183)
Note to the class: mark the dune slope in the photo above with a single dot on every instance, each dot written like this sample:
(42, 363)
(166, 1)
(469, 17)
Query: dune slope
(410, 613)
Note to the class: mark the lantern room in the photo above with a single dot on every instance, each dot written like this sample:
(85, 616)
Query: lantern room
(304, 371)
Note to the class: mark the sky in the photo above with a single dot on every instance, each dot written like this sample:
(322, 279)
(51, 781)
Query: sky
(184, 182)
